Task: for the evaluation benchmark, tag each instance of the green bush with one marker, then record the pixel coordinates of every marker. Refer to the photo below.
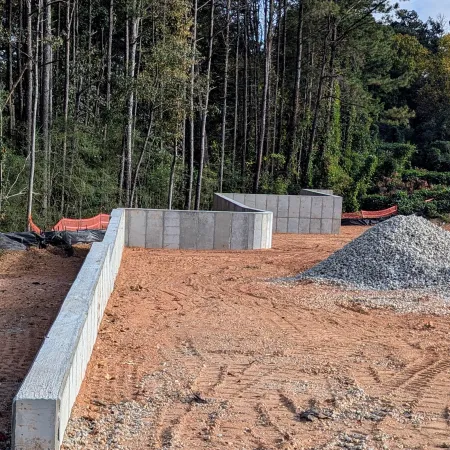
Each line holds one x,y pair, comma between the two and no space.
412,203
436,178
436,157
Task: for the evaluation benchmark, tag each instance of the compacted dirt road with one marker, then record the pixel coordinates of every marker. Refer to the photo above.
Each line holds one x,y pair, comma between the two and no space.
33,285
200,350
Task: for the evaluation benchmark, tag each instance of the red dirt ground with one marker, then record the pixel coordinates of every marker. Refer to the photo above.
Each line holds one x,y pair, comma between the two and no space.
33,285
198,350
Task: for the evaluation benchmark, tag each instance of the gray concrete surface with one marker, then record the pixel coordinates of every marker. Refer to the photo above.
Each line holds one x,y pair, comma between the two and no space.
313,211
232,227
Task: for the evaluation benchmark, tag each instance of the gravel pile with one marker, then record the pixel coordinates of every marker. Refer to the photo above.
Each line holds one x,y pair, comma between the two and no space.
405,252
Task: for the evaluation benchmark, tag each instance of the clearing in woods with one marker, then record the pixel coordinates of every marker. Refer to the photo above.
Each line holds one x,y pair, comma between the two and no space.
198,350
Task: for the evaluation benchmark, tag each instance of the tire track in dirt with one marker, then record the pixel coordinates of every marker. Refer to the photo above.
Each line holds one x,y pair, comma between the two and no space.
250,355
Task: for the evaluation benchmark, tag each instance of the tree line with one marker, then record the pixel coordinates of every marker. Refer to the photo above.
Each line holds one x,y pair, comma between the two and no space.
161,103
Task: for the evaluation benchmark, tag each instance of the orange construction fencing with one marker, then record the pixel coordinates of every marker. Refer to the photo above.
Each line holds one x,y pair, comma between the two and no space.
372,214
99,222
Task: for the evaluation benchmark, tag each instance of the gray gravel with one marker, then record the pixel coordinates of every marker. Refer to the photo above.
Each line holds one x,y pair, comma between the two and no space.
405,252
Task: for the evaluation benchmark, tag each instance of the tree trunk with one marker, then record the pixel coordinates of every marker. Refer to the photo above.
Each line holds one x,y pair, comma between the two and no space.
205,110
66,105
192,107
131,76
236,95
225,95
283,81
246,92
34,110
267,66
12,112
292,150
109,62
141,157
46,81
172,174
29,96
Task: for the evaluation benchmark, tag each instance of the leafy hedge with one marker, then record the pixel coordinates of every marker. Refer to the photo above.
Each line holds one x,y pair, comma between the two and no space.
412,203
442,178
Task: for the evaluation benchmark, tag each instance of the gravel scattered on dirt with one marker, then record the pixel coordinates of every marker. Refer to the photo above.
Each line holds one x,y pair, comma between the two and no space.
401,253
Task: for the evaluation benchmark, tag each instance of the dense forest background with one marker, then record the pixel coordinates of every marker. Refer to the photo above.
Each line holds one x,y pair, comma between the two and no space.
161,103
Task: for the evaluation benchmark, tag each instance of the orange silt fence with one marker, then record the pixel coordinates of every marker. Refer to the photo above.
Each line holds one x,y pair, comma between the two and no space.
99,222
372,214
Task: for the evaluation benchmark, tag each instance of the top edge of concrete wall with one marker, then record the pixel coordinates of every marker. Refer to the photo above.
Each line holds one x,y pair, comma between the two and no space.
201,211
303,192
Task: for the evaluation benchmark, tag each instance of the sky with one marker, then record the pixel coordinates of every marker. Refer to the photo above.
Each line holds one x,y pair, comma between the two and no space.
428,8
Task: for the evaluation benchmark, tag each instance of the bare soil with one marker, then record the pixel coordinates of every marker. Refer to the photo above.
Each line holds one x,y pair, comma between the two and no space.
33,285
202,350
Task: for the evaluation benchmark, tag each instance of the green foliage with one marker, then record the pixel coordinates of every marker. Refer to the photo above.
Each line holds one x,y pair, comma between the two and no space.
394,158
433,178
414,203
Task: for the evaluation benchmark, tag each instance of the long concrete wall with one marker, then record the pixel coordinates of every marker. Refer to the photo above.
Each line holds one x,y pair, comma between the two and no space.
313,211
41,408
231,229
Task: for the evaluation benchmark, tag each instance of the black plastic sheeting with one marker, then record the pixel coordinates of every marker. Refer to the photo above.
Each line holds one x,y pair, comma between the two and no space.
364,222
62,239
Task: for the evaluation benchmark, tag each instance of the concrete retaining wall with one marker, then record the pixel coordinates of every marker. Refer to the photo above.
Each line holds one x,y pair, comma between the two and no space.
231,229
41,408
311,212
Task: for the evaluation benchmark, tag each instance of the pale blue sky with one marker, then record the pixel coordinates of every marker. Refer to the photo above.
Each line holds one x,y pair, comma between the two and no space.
428,8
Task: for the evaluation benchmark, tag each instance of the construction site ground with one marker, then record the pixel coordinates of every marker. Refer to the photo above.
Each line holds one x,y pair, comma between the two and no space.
200,349
33,285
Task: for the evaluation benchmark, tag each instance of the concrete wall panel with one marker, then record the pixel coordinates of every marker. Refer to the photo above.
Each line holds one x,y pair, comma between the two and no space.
337,212
305,207
257,235
293,224
250,200
304,226
272,205
336,226
283,206
222,231
171,234
155,229
261,202
326,226
136,229
327,207
239,232
315,226
189,229
294,206
205,235
316,207
282,225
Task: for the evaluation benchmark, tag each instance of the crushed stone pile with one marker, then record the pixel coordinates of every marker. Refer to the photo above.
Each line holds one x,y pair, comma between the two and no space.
405,252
